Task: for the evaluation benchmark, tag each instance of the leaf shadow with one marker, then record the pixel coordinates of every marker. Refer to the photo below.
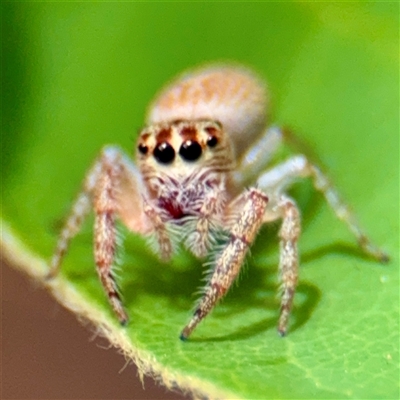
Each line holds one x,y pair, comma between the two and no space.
300,314
256,279
337,247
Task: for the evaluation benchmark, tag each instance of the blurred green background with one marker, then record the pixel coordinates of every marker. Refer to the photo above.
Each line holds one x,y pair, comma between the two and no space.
77,76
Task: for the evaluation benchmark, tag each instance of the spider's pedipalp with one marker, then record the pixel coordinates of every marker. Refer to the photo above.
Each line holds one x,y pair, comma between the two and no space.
200,240
160,230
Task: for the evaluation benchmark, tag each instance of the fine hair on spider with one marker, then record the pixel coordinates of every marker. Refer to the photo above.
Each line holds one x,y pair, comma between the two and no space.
203,171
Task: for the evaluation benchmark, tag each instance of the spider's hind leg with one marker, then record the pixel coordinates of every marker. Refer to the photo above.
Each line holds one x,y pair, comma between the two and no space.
257,157
277,179
289,257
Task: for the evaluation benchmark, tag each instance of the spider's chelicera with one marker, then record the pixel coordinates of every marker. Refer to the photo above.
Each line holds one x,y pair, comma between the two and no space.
203,172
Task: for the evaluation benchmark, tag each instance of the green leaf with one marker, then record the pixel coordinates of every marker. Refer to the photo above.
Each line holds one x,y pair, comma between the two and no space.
77,76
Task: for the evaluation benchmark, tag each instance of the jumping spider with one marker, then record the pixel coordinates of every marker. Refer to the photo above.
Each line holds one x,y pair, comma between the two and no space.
203,168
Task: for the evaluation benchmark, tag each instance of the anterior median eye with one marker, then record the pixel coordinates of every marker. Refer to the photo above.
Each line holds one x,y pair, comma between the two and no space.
190,150
164,153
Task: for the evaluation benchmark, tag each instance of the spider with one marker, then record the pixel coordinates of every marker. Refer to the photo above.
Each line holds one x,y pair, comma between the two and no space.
203,173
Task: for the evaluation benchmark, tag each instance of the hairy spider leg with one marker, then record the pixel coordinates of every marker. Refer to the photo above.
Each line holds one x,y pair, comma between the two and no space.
111,186
256,159
230,260
79,211
279,177
289,257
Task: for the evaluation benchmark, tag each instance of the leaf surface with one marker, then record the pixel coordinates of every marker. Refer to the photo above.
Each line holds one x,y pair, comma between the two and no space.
79,75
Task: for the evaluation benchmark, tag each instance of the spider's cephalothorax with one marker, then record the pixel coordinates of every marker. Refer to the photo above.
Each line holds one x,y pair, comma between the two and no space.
204,166
186,167
183,155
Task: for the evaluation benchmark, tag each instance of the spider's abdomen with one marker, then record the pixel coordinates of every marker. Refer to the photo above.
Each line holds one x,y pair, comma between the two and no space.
233,96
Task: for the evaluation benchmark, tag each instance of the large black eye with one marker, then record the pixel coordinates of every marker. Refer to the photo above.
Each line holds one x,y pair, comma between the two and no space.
190,150
164,153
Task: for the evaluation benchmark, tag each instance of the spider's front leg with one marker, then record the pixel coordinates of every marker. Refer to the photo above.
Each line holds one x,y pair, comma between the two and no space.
112,187
105,207
230,260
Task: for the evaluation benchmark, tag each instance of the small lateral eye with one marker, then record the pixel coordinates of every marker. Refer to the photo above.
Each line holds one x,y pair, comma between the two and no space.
164,153
143,148
190,150
212,141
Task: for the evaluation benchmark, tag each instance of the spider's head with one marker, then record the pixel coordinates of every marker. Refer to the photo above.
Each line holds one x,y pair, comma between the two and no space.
179,148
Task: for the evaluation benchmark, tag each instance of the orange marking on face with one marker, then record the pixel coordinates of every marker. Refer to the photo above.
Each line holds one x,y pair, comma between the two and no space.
145,136
189,133
164,135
